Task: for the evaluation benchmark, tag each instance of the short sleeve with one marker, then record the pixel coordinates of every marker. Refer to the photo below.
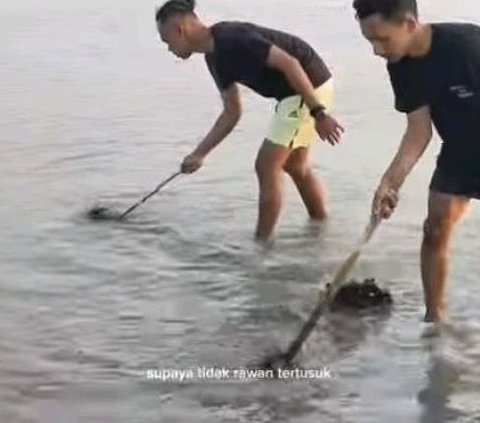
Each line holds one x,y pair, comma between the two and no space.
255,47
410,92
248,50
240,54
222,81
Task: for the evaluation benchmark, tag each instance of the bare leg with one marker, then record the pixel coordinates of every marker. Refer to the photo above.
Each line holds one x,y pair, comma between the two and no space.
269,167
444,212
299,167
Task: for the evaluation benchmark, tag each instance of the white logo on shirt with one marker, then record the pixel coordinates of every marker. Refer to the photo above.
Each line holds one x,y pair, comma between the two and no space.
462,91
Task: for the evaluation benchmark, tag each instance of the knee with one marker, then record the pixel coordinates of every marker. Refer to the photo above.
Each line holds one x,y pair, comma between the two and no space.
297,171
262,166
436,232
267,171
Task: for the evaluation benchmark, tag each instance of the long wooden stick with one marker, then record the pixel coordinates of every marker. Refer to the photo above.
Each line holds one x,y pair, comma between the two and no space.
155,191
340,278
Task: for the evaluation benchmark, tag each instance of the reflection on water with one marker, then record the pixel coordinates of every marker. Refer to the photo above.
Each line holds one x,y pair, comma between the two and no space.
450,376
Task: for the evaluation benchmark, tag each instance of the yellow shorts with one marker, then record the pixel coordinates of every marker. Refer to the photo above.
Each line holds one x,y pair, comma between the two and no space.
292,126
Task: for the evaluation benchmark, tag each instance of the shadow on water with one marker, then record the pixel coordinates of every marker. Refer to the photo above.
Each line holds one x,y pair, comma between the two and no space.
252,329
247,302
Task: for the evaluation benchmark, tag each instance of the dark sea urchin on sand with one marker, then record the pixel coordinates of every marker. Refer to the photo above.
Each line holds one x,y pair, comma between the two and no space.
102,213
353,296
360,296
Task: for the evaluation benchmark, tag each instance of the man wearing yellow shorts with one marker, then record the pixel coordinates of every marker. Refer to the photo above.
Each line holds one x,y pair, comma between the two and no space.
275,65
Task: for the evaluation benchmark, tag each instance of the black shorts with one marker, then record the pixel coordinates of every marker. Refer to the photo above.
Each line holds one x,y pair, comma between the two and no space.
465,184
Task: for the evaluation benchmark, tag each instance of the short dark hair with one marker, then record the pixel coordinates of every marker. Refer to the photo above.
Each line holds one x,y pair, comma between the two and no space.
174,7
388,9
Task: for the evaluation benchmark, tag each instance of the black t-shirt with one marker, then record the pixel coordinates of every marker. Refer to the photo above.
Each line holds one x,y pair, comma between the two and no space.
240,55
448,80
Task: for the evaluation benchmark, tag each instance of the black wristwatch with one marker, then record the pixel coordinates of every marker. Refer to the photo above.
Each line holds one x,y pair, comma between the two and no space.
317,112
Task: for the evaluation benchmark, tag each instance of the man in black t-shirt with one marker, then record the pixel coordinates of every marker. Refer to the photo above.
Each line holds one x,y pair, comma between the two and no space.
435,74
275,65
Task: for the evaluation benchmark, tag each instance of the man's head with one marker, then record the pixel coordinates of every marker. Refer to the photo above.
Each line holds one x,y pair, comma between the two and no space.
389,25
174,23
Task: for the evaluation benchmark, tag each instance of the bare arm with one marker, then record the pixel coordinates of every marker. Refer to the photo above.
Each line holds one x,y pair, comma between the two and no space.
228,119
293,71
413,145
327,127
